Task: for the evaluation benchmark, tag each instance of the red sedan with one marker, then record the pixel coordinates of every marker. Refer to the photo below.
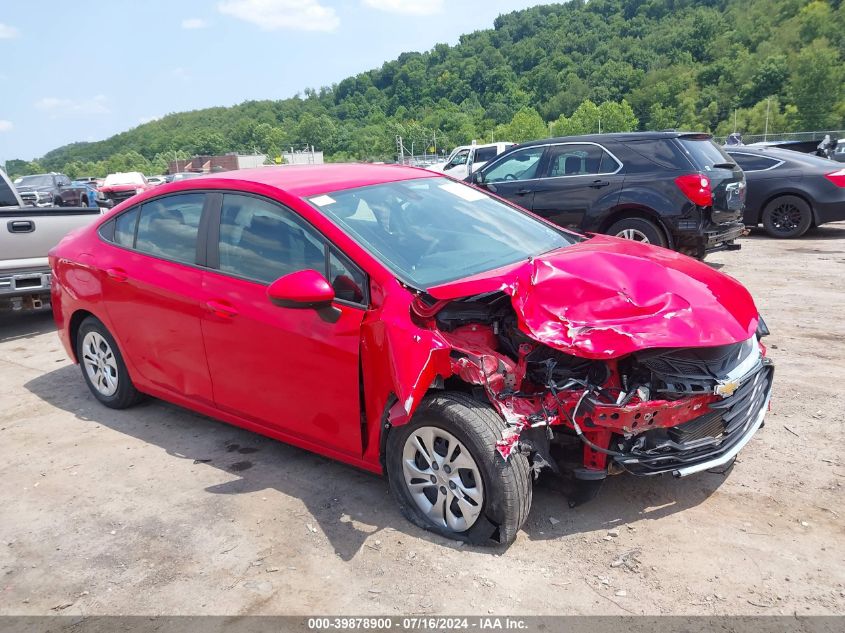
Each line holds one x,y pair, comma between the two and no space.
405,323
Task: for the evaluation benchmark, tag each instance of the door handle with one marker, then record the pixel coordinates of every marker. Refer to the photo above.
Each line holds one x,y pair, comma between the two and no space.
20,226
221,309
523,192
117,274
598,184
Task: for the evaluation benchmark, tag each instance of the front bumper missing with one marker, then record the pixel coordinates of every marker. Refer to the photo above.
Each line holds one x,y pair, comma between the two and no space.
742,415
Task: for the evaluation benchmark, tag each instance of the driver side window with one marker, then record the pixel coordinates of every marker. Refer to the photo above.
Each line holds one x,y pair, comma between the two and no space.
521,165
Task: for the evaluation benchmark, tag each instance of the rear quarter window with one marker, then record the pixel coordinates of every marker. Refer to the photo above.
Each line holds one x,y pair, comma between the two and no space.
750,162
662,152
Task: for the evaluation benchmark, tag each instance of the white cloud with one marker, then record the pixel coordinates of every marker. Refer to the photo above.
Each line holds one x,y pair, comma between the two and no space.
180,72
270,15
8,32
65,107
148,119
194,23
5,126
408,7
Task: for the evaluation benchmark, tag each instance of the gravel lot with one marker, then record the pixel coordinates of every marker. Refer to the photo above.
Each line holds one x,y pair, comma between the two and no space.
156,510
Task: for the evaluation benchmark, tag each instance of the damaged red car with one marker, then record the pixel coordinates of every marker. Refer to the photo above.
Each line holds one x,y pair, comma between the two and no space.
418,327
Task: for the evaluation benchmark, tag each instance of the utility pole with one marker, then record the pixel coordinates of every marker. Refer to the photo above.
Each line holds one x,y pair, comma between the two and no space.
766,132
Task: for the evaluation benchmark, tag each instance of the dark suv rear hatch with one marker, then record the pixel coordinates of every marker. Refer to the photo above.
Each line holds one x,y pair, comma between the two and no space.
727,181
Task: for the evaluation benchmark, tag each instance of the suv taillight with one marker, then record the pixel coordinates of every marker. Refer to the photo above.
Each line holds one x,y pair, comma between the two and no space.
697,188
837,177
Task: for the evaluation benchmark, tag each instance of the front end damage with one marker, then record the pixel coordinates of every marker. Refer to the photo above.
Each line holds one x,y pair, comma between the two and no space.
611,393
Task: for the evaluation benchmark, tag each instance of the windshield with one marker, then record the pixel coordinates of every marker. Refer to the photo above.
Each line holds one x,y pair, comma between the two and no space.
129,178
435,230
34,181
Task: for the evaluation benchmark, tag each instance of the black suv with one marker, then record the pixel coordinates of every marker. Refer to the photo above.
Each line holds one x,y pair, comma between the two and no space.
672,189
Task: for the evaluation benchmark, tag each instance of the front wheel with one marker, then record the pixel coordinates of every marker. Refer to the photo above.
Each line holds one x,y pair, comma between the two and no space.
787,217
103,366
447,477
638,230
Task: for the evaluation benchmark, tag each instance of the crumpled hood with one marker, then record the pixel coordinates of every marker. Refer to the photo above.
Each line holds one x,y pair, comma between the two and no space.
606,297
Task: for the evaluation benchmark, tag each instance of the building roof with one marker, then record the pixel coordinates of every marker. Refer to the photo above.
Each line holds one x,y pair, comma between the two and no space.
312,180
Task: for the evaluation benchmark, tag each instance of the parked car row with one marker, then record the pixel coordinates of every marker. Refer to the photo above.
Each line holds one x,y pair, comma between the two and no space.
671,189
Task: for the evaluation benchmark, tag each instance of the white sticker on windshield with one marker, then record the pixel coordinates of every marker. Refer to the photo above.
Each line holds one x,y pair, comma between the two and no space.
463,192
322,201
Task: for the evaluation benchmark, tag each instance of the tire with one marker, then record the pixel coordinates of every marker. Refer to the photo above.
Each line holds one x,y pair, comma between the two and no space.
57,202
787,217
103,366
84,201
493,509
639,230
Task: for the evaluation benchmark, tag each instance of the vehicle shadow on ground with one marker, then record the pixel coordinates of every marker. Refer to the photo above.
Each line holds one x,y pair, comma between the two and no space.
25,324
348,504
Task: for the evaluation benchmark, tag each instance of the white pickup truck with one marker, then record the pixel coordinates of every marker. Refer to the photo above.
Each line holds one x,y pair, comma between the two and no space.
26,234
466,159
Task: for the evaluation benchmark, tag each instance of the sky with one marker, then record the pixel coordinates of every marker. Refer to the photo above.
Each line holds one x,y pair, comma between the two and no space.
85,70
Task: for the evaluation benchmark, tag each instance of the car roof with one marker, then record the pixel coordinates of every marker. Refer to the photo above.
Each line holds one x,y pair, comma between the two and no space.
616,136
312,180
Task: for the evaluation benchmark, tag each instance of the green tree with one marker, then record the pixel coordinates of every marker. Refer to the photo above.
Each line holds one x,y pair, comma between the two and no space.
526,125
815,86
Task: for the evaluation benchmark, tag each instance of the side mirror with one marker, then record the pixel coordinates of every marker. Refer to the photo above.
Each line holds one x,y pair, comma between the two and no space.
478,178
302,289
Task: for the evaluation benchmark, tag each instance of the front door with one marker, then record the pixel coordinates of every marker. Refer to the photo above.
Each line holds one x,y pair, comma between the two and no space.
514,176
287,369
576,178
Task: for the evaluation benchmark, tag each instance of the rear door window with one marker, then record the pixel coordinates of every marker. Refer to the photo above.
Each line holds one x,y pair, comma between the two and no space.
485,154
662,152
579,160
169,227
124,228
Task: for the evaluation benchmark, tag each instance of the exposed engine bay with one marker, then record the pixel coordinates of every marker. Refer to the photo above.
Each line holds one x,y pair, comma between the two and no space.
653,411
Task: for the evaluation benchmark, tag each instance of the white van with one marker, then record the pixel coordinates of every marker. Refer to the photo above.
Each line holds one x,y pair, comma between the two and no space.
466,159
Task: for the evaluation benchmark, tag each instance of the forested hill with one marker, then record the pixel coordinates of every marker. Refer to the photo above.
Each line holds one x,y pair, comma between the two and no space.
649,64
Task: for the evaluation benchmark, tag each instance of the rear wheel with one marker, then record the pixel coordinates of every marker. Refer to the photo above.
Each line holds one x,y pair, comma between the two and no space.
638,230
787,217
103,366
447,477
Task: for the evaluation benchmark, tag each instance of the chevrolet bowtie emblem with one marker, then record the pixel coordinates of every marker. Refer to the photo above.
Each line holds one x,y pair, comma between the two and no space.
726,388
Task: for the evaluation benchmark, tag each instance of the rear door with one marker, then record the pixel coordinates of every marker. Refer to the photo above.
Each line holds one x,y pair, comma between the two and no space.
514,176
576,180
727,181
152,284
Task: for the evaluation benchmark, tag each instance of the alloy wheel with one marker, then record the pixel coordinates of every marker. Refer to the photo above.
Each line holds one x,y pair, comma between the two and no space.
100,363
634,234
442,478
786,218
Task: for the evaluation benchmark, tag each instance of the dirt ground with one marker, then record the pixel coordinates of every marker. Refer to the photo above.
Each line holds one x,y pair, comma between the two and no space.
155,510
